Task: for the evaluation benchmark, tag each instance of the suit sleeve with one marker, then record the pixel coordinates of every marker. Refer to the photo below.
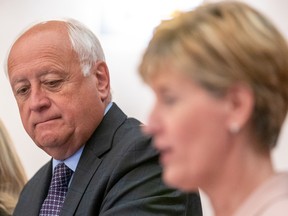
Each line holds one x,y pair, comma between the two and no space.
136,187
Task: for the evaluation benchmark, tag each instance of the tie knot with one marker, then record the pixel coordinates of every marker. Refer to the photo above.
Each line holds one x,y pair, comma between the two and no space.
61,175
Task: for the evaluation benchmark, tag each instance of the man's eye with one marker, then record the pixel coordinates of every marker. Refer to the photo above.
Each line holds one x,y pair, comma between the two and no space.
53,83
22,90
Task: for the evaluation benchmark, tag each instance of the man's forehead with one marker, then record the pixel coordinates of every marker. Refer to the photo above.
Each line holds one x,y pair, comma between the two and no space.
57,27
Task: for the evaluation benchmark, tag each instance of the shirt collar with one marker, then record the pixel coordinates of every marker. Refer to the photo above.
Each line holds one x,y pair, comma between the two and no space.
71,162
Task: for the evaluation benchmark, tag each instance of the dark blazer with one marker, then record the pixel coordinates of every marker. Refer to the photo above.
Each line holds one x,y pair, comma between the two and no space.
118,174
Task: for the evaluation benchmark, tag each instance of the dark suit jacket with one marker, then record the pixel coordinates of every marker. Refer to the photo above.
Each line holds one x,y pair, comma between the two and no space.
118,174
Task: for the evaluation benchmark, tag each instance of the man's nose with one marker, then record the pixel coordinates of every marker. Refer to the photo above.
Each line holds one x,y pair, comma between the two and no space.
38,99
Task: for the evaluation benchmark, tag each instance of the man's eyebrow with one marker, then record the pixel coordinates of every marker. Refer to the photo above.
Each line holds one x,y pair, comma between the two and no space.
39,75
18,80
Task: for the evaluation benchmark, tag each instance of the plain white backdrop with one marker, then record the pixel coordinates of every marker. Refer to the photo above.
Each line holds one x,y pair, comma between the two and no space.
124,28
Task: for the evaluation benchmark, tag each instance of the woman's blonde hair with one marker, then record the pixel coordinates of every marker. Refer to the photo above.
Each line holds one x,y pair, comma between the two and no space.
12,175
219,44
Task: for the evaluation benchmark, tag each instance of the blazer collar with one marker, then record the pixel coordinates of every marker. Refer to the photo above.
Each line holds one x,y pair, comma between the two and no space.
101,140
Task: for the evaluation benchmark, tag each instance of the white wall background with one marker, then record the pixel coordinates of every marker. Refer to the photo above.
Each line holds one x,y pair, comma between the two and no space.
124,28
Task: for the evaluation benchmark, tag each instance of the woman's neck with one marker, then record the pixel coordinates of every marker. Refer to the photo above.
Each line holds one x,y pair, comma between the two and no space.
237,179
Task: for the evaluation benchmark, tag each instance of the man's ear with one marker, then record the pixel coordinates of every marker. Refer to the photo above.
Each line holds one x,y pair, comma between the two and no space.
241,102
101,72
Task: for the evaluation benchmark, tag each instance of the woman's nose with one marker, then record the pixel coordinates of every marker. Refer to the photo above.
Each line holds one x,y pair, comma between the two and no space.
154,122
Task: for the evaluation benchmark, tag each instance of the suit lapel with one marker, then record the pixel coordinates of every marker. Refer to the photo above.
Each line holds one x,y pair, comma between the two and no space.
99,143
40,186
83,174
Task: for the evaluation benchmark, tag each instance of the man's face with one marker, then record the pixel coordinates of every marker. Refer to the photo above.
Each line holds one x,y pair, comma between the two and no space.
59,107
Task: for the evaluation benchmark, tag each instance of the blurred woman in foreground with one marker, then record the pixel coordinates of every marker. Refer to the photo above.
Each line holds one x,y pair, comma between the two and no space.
12,175
220,76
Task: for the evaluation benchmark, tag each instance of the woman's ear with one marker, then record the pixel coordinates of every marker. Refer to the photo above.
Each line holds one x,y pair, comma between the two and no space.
240,100
101,72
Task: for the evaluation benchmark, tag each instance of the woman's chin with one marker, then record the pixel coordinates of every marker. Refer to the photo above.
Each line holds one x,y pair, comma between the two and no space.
178,181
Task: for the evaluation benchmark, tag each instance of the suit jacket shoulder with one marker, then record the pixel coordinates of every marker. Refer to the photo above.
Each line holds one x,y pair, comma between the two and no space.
119,174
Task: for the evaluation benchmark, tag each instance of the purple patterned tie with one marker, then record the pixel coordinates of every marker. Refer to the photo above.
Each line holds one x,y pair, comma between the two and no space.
57,191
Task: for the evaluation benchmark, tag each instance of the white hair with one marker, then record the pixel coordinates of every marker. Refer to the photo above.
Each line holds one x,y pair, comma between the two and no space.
85,43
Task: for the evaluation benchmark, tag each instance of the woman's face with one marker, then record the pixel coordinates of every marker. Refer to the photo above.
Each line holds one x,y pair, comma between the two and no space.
189,126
